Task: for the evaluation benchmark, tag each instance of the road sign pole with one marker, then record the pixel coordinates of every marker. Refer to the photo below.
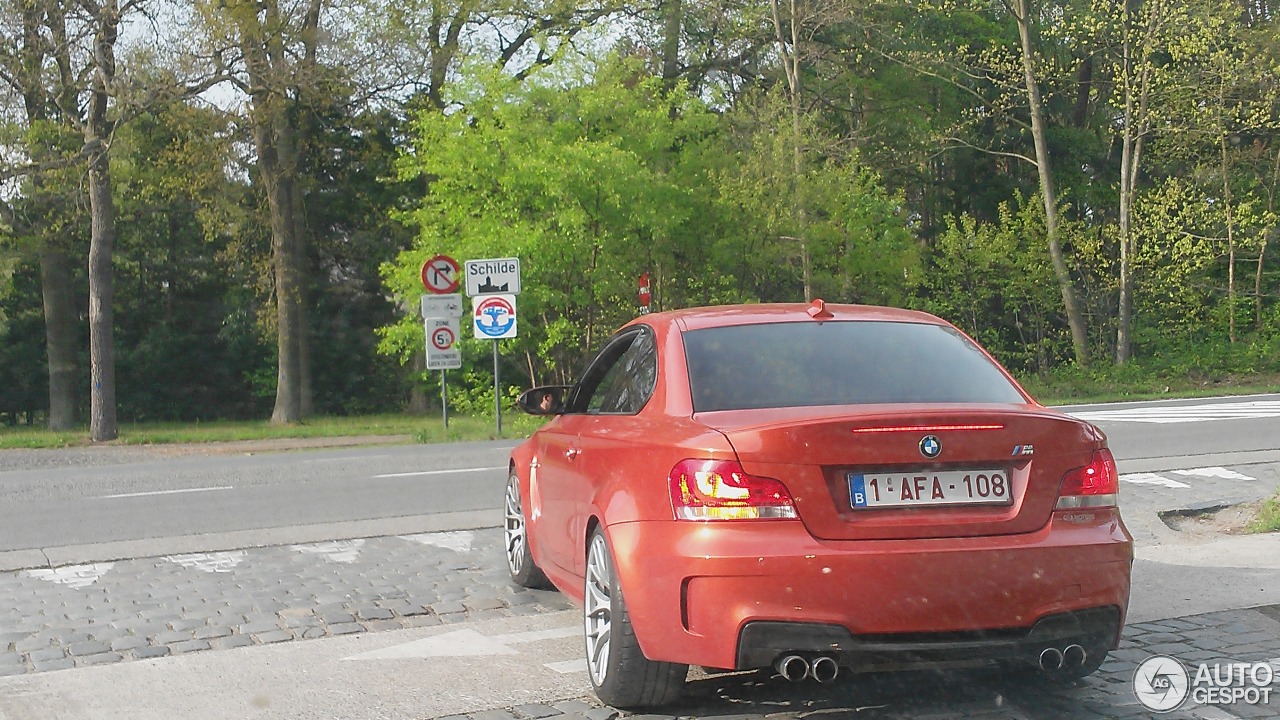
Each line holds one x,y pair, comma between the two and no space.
444,397
497,396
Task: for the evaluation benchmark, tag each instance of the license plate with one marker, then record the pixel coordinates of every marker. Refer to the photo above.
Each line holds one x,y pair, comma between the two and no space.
942,487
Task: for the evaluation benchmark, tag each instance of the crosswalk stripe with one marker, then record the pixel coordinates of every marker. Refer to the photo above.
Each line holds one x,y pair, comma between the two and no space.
1186,413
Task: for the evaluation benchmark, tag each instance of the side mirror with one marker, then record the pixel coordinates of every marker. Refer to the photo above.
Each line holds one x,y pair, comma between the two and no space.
544,399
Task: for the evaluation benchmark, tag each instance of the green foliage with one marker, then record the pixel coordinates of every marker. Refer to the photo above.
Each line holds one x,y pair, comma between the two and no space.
593,182
1178,370
994,282
582,183
1268,517
853,229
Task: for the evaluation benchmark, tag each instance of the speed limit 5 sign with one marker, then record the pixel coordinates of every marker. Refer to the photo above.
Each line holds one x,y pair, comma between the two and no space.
442,344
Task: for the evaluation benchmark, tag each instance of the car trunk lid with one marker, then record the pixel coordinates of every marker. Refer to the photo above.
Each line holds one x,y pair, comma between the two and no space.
826,457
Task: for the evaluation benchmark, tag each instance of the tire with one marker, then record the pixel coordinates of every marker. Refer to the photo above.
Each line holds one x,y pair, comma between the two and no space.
620,673
524,571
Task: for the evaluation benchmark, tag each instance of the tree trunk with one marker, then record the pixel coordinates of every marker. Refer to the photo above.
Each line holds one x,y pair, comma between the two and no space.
1231,239
102,359
275,138
673,22
98,129
56,268
791,64
418,404
288,406
1262,253
307,406
1136,125
60,316
1075,317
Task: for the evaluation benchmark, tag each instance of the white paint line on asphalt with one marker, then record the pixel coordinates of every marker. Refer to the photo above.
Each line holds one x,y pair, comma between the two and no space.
361,458
75,576
440,472
465,643
166,492
565,667
1214,472
457,541
1152,479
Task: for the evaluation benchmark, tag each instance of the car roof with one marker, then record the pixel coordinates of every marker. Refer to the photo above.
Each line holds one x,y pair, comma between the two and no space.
724,315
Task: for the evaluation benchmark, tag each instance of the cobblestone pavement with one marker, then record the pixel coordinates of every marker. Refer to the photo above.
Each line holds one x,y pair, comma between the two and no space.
85,615
1223,637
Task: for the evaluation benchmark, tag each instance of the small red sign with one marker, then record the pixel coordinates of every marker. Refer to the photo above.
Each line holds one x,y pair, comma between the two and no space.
645,295
441,275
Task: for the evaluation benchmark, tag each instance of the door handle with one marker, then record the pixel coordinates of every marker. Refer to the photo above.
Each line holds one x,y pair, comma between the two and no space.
572,453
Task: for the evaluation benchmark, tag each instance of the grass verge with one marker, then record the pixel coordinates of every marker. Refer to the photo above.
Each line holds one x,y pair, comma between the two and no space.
1268,518
1086,388
422,429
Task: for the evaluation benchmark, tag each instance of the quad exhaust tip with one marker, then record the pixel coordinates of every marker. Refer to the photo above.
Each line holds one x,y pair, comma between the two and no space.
1051,660
824,669
1071,657
795,668
792,667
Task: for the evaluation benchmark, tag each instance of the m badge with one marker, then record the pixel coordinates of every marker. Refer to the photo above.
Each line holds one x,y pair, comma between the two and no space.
1024,450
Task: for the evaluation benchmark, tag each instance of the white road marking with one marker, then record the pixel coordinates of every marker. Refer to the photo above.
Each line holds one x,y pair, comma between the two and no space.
217,562
75,576
465,643
1186,413
1214,472
567,666
457,541
1152,479
166,492
440,472
341,551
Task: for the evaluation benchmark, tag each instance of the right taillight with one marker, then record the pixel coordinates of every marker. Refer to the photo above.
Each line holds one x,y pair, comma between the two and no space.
1094,485
722,490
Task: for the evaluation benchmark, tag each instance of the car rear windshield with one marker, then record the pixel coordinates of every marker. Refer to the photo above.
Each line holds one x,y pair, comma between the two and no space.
838,363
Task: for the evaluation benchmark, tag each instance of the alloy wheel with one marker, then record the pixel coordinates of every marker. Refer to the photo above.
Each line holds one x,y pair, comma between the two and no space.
598,609
515,531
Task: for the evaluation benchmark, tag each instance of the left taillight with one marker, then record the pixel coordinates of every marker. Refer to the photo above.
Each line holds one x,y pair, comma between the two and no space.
722,490
1094,485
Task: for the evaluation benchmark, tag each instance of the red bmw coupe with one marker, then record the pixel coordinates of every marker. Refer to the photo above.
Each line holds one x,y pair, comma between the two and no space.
815,489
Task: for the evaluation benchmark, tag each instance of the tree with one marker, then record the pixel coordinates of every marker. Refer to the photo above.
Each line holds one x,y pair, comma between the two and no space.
579,182
1022,14
26,69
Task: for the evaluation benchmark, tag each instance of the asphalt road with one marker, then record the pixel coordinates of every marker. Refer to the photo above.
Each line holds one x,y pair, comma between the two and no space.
104,495
100,499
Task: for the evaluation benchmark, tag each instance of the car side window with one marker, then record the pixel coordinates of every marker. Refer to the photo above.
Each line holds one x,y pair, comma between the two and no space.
623,377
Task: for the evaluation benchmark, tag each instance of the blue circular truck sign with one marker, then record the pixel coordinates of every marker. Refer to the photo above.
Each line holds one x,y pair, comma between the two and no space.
495,317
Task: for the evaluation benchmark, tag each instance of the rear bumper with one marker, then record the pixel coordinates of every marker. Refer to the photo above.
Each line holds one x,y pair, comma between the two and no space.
762,642
728,594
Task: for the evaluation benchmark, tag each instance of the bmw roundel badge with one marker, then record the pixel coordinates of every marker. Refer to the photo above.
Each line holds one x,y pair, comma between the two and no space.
930,446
